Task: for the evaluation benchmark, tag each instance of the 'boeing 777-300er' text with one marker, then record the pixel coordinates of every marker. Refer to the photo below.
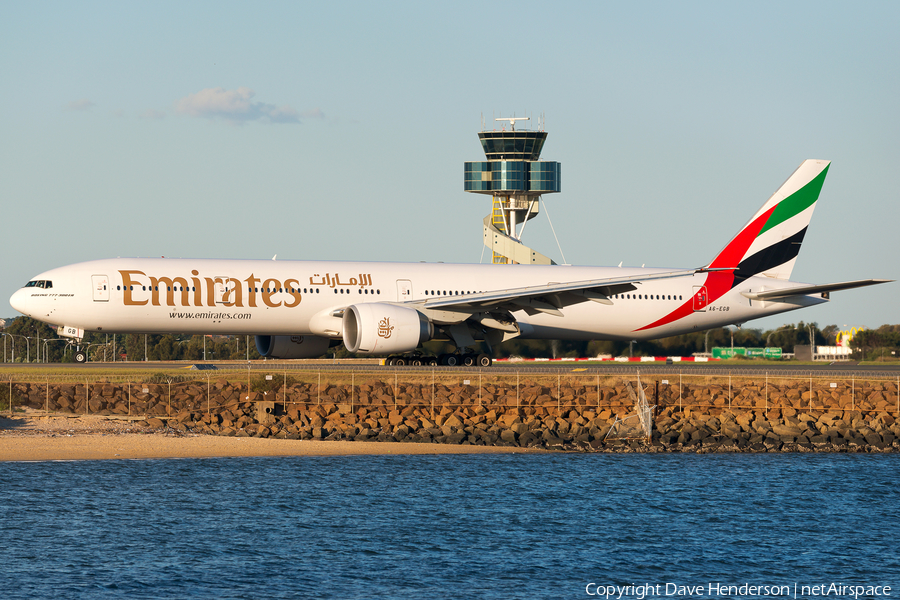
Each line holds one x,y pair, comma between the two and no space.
297,309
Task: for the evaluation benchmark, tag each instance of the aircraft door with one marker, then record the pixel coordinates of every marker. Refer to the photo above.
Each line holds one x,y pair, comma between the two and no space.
100,285
404,290
701,298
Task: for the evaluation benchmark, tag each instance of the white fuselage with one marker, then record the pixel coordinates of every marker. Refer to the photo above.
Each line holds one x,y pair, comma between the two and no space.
267,297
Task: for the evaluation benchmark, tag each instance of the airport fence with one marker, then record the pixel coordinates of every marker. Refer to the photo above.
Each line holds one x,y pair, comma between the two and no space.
165,395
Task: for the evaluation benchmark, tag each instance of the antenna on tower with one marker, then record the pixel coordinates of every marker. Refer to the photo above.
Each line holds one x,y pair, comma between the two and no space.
512,120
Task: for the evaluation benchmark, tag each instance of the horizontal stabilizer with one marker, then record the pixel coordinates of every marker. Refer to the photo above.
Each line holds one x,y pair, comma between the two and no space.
812,289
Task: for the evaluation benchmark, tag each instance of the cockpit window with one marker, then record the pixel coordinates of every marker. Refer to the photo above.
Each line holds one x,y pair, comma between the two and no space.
40,283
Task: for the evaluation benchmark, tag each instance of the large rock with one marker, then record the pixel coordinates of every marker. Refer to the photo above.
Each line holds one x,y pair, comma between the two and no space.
508,435
873,439
455,438
453,421
786,433
519,428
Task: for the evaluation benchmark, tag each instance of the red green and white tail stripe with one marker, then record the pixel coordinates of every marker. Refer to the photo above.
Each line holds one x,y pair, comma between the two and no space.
768,245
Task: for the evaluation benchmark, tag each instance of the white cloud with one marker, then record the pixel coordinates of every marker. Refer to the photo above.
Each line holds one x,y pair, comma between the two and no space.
83,104
313,113
235,106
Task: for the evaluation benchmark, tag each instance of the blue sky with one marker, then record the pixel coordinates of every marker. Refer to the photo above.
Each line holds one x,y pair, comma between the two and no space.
339,131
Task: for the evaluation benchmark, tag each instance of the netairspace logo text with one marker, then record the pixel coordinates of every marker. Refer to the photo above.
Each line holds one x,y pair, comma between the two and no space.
715,590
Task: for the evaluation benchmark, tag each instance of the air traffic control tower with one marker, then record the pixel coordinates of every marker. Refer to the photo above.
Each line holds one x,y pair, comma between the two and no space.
515,179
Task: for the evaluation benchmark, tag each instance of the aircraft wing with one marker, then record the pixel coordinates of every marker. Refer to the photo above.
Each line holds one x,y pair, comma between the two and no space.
547,298
812,289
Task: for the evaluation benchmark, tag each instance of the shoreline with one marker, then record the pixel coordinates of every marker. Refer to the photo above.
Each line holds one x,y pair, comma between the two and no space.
36,437
28,438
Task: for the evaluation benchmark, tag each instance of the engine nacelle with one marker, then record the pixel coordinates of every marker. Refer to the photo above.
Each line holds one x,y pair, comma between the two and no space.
291,346
378,328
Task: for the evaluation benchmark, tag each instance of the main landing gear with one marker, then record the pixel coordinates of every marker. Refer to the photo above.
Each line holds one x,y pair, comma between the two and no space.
469,359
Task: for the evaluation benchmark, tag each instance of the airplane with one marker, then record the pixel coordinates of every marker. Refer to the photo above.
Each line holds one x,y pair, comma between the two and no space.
299,309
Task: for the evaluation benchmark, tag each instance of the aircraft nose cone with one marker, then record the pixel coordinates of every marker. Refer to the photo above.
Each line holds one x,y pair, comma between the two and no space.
19,301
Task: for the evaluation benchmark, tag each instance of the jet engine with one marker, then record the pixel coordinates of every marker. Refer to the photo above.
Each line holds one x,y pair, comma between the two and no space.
378,328
291,346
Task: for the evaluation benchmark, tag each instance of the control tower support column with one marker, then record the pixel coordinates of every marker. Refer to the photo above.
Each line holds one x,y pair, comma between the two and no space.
516,180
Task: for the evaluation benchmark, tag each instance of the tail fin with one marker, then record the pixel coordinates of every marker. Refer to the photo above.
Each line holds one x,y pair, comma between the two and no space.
770,242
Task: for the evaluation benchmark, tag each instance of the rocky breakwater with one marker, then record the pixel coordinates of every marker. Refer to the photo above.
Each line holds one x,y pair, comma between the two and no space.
573,415
778,430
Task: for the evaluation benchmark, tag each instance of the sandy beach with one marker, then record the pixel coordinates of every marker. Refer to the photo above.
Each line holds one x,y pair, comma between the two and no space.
31,437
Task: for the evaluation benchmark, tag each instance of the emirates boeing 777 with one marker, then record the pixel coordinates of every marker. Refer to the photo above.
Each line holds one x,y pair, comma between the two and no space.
298,309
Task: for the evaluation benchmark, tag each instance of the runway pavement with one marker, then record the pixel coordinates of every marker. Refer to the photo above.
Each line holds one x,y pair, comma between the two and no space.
837,369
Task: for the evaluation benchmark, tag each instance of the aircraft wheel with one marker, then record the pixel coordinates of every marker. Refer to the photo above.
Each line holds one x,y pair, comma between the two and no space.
483,360
389,361
451,360
416,361
468,360
400,361
80,357
432,361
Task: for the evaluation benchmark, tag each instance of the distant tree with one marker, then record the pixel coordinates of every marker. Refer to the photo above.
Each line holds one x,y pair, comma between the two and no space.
162,347
26,340
134,346
875,344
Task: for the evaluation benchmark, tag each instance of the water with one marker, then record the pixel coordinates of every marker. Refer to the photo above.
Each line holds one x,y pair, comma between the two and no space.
480,526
